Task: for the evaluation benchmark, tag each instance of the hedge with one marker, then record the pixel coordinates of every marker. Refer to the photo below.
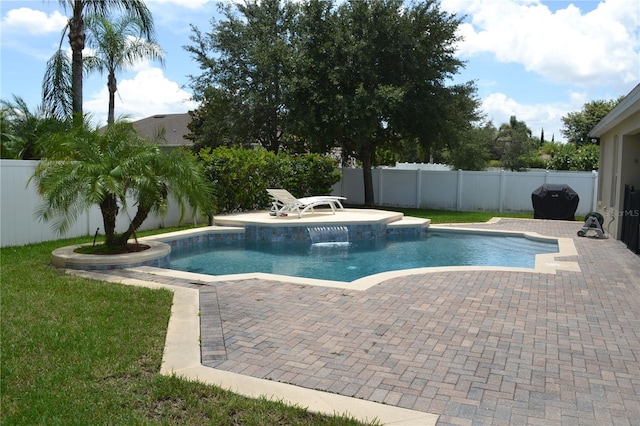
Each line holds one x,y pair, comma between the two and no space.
241,176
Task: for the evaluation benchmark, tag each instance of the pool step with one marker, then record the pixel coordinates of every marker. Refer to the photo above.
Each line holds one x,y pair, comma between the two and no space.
409,222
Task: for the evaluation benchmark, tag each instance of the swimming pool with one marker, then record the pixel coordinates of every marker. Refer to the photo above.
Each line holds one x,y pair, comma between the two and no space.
349,261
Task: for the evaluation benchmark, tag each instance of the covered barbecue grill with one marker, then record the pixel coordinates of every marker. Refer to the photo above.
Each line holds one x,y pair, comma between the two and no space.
554,201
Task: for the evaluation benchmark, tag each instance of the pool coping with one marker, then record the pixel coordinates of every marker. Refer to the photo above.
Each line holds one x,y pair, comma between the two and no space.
66,257
546,263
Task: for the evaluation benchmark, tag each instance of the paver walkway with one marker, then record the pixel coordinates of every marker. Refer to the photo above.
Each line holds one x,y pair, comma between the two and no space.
475,347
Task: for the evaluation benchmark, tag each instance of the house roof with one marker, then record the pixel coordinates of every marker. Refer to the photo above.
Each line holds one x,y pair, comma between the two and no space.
627,107
172,126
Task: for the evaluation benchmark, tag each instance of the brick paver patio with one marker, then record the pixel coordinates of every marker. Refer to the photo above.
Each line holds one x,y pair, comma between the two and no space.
475,347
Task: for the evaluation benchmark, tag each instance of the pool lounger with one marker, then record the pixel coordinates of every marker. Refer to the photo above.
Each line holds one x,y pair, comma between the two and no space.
285,203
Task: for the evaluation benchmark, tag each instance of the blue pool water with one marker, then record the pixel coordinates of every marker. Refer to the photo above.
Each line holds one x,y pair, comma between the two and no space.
357,259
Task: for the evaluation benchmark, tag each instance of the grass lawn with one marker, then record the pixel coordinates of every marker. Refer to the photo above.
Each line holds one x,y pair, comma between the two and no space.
75,351
79,351
446,216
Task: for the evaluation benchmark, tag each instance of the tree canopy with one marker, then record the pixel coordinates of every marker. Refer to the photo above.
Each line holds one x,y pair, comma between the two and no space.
118,44
88,167
245,61
357,75
578,124
518,145
24,132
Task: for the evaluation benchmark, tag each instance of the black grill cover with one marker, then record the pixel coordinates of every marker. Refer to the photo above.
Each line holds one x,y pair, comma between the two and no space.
555,201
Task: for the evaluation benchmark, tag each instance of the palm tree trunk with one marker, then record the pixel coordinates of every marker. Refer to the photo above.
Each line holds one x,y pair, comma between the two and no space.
77,42
140,217
113,87
109,209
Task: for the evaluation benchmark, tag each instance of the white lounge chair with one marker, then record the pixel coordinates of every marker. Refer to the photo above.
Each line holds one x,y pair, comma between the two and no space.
285,203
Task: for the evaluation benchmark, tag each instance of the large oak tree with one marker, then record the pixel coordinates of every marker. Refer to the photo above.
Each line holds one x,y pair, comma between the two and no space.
357,75
245,61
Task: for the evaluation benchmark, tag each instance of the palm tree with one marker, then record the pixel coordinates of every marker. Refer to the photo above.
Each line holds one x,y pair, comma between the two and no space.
90,167
118,45
517,145
76,31
24,132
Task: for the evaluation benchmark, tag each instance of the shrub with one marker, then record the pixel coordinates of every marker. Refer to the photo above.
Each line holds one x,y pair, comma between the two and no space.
308,174
570,157
241,176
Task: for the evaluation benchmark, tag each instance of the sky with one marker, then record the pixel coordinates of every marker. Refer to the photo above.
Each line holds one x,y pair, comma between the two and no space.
537,60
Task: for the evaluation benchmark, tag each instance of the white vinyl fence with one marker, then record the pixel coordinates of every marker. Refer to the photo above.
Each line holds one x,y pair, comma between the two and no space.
450,190
19,202
499,191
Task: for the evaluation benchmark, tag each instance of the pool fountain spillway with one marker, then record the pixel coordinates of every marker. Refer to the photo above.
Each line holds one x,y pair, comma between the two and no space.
328,234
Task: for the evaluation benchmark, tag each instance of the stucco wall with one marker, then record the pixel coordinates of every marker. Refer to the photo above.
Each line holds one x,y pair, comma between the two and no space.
619,166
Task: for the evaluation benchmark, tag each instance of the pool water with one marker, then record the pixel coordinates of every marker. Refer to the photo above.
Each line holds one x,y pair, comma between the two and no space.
357,259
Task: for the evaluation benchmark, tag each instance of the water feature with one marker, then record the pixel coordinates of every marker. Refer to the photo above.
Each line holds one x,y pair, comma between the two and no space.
329,235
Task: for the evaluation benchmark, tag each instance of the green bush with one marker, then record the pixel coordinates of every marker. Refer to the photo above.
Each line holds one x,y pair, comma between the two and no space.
587,158
308,174
241,176
570,157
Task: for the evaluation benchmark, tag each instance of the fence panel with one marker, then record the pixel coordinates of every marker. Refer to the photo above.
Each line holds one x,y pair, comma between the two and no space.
463,190
351,186
19,202
518,187
480,191
19,224
390,180
438,190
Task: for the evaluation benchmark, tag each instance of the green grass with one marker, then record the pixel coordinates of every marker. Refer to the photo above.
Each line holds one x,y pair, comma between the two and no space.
75,351
447,216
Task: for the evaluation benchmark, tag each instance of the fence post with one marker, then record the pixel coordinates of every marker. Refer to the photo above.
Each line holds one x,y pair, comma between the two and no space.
459,191
418,187
594,190
380,183
501,191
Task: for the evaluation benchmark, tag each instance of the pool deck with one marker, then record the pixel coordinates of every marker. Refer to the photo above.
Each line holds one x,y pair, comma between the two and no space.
456,346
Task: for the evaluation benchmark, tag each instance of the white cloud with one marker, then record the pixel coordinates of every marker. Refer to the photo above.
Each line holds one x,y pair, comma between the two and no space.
567,46
148,93
34,22
190,4
499,108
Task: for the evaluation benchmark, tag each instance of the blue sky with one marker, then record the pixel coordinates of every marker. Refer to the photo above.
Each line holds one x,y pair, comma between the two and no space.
537,60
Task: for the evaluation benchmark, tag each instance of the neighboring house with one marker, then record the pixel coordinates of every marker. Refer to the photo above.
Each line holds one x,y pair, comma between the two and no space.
169,128
619,134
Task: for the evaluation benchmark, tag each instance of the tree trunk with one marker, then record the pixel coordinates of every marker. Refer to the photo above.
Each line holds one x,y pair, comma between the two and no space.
113,87
77,42
140,217
109,209
367,176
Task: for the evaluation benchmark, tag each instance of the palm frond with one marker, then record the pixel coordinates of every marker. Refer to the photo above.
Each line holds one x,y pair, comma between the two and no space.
57,93
136,8
92,167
